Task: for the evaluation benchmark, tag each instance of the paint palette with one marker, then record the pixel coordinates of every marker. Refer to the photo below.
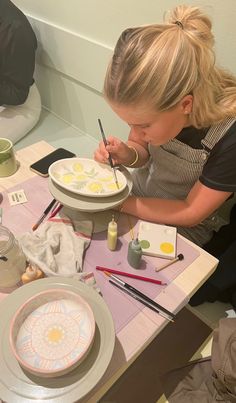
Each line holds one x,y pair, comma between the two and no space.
158,240
86,177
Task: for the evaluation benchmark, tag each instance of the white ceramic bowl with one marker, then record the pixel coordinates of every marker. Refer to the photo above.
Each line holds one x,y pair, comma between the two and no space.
52,332
86,177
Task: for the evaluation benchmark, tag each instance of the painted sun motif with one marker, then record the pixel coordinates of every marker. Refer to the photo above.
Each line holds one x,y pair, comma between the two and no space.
55,334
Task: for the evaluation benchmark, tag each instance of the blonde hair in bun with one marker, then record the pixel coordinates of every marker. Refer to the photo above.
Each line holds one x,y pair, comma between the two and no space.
161,63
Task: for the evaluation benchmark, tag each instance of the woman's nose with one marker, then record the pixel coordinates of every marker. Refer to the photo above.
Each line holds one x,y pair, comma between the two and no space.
137,130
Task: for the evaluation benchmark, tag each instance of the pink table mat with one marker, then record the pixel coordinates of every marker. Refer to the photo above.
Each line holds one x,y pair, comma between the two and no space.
20,218
99,255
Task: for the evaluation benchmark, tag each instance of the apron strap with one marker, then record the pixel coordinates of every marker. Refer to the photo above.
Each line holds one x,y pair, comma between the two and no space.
216,132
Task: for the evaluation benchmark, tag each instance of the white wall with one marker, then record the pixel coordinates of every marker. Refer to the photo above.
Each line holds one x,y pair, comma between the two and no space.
76,39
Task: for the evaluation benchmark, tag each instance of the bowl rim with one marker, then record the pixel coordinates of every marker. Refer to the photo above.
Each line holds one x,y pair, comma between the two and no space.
68,188
55,372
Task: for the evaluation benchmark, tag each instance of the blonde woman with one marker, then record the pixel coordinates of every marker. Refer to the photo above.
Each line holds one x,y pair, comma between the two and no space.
181,109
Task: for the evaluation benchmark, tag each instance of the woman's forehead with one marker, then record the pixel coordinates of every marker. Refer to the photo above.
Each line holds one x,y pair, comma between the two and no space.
134,114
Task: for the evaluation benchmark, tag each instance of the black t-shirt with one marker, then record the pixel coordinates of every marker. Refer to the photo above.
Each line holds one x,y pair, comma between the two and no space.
17,54
219,171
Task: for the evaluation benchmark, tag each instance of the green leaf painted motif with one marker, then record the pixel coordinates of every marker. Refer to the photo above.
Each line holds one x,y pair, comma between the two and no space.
92,173
79,185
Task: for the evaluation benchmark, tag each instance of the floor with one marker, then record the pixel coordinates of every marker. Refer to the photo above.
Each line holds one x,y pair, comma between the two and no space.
59,134
143,382
210,313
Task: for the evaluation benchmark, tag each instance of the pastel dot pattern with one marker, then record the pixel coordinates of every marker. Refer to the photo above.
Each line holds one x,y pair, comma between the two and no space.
55,335
167,247
145,244
86,177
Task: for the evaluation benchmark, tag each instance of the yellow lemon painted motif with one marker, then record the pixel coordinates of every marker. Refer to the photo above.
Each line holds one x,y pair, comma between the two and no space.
112,186
95,187
167,247
67,178
78,167
106,179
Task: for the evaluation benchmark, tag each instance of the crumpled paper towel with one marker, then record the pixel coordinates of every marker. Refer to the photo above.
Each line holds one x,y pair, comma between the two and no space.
57,246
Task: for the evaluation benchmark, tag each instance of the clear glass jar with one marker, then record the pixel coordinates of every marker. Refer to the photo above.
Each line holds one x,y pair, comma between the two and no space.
12,259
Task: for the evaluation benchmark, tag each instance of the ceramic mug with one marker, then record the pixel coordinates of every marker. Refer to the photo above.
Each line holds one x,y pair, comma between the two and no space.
8,164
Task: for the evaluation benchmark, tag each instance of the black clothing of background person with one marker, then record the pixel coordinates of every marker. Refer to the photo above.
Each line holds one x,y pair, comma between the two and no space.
18,44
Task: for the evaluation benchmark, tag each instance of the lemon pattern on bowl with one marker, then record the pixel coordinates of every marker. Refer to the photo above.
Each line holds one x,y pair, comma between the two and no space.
67,178
95,187
88,177
78,167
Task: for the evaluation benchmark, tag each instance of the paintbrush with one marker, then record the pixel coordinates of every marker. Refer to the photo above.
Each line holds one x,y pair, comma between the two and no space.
138,293
44,215
140,299
109,155
178,258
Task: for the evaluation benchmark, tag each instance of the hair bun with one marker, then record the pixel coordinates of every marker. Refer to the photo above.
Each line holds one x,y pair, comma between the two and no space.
194,22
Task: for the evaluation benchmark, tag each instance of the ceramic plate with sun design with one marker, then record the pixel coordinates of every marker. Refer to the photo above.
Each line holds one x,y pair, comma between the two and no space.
87,177
53,332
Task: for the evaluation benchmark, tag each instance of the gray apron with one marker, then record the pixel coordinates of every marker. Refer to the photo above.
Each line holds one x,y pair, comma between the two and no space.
171,172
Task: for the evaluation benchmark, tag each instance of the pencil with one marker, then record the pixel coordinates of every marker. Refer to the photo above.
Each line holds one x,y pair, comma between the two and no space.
139,294
140,299
109,155
137,277
43,216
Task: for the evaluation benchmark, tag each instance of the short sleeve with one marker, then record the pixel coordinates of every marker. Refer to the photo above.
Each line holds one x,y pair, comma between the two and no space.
219,172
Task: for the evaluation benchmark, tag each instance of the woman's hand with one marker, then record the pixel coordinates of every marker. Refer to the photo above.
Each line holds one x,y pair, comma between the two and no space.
120,152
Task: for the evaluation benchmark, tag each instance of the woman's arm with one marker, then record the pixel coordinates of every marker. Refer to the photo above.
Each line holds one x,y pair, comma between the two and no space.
199,204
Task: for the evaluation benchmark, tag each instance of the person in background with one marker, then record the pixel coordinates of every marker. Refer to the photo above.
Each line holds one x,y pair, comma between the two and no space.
20,103
181,108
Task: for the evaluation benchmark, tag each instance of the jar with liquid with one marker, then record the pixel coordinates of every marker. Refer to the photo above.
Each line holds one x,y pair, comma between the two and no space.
12,259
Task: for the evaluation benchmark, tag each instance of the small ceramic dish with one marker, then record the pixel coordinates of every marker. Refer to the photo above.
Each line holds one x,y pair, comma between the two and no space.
52,332
86,177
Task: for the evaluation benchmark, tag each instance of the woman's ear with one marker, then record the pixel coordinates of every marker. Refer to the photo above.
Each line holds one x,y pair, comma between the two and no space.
186,104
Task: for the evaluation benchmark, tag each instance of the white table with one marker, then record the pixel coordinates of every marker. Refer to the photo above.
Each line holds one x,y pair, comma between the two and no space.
140,331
